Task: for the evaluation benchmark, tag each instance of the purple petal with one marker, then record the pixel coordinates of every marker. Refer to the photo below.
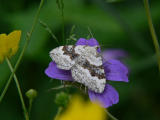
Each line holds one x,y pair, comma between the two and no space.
90,42
116,71
107,98
113,54
56,73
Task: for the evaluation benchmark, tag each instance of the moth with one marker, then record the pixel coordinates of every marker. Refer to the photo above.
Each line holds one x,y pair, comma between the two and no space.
85,63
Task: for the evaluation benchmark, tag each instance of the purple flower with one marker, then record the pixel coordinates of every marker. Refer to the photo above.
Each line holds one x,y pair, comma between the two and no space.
114,70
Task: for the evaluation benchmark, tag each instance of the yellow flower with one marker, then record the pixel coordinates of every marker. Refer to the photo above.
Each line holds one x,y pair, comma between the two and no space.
80,110
9,44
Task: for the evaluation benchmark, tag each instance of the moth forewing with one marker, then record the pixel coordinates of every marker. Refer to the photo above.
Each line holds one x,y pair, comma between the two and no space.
89,70
63,57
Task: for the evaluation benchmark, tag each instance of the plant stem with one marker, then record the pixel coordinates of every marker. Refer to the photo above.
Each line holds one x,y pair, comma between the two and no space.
152,30
63,36
28,37
110,115
19,90
60,5
60,87
58,113
30,106
90,32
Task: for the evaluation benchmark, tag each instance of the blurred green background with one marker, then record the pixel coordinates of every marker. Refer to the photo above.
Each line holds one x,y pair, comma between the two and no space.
120,24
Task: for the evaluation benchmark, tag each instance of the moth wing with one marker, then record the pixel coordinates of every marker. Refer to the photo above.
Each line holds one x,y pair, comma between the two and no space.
64,56
90,72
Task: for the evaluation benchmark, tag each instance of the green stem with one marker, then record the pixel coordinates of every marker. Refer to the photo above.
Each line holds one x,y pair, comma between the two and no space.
30,105
152,30
23,50
63,36
90,32
110,115
60,5
58,113
19,90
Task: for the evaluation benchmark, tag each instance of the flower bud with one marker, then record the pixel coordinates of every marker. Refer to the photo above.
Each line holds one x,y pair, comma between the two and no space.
62,99
31,94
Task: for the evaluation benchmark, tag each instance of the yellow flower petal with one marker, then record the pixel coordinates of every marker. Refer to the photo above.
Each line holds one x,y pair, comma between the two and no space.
9,44
3,48
81,110
13,41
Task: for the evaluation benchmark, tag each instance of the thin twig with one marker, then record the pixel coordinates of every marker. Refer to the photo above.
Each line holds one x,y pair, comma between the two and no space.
58,113
110,115
71,35
60,87
60,5
90,32
152,30
49,31
30,106
63,24
19,90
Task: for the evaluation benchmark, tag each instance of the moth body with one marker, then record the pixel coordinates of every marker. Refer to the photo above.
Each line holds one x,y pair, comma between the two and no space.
85,64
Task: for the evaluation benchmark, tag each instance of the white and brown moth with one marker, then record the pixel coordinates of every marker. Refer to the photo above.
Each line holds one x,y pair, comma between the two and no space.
85,63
